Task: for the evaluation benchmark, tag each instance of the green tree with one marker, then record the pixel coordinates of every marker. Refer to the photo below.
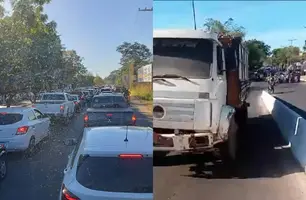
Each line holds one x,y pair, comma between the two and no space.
286,55
98,81
258,53
135,53
226,28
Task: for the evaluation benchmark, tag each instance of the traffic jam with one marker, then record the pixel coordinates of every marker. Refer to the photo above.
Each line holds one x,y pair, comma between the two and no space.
111,140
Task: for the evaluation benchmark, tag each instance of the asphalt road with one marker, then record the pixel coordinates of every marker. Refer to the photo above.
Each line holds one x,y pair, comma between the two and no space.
265,169
40,176
294,93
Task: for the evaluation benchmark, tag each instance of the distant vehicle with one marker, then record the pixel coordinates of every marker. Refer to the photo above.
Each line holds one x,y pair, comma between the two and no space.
109,109
56,105
3,161
106,90
110,163
77,103
21,128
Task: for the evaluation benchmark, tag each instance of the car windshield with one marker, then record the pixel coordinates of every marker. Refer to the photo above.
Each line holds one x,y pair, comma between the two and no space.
114,174
9,118
191,58
109,101
53,97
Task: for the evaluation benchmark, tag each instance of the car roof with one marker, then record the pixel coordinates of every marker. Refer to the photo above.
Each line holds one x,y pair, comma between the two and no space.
15,109
109,94
104,140
54,93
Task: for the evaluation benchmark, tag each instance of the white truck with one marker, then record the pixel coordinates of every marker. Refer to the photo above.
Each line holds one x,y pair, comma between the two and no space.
57,105
200,82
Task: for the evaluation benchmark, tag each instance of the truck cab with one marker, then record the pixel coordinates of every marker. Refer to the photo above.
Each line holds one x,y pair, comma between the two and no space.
191,110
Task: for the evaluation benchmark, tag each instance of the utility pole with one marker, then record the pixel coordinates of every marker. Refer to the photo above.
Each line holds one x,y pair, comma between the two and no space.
291,41
194,15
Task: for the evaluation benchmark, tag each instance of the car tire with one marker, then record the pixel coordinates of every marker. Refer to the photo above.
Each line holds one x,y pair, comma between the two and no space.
3,168
31,148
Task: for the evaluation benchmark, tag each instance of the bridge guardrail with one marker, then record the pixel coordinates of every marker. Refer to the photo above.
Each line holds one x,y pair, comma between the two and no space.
292,126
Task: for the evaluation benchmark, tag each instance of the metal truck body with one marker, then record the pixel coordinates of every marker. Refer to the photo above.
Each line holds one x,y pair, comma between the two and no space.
192,111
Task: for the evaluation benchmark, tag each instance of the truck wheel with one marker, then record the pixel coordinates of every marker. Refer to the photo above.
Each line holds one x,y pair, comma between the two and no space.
228,149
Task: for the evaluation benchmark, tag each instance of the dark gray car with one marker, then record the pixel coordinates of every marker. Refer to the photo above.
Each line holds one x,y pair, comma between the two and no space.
109,109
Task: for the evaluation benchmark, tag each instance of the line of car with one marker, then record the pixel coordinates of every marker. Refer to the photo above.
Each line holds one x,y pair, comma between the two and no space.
113,158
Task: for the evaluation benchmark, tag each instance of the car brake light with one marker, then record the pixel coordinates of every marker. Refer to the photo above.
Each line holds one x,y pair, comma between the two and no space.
130,156
62,107
22,130
66,195
109,115
3,113
134,119
86,118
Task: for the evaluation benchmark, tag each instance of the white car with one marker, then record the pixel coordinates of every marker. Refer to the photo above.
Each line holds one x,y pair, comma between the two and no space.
110,163
21,128
58,105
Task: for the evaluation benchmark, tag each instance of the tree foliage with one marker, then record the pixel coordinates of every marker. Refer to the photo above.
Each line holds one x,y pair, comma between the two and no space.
98,81
258,53
227,28
131,53
32,57
285,55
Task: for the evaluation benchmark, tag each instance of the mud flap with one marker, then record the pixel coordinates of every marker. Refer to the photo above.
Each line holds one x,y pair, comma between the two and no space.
226,116
228,133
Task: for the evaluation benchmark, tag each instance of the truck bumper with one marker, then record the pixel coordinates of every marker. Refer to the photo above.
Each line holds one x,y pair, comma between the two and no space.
184,142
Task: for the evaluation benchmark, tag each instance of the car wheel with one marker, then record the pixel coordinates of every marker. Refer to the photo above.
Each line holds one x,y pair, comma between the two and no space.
31,148
3,169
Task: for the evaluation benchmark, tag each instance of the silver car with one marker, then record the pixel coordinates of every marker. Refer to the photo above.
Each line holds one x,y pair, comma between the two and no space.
21,128
110,163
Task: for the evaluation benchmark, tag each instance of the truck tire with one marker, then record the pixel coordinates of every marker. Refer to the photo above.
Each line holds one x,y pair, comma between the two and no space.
229,149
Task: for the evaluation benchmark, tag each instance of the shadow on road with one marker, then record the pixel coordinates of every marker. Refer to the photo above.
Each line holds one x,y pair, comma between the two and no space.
261,155
284,92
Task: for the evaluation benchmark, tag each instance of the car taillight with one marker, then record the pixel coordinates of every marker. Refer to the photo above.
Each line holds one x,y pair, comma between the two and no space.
109,114
33,106
22,130
62,107
66,195
86,118
134,119
3,113
130,156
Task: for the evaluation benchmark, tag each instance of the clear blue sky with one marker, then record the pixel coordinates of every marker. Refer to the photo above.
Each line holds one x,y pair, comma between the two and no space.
274,22
94,28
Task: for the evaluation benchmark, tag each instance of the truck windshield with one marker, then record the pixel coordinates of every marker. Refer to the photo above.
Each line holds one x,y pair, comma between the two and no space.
190,58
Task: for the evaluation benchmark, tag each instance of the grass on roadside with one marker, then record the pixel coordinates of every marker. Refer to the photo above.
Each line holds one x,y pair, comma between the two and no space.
142,91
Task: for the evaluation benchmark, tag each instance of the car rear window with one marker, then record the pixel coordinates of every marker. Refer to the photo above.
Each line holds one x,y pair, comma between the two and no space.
105,90
10,118
53,97
101,101
113,174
